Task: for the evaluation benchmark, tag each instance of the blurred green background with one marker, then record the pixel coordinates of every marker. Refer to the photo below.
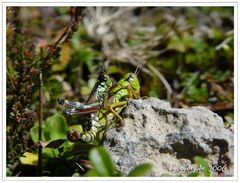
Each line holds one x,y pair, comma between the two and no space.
185,55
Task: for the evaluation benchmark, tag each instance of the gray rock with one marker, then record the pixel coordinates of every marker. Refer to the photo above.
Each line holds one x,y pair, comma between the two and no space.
169,138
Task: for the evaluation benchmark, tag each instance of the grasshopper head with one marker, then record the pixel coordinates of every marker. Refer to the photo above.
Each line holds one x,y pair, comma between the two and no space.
106,79
132,79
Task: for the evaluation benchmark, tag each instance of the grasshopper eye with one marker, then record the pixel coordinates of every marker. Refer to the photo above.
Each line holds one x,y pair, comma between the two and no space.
131,76
104,77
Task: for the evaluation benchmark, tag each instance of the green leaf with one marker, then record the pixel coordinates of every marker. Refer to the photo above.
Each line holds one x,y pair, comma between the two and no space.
113,69
177,44
197,94
77,148
165,175
102,161
49,153
140,170
56,125
92,173
34,134
153,93
204,164
76,174
179,175
54,87
29,159
54,128
134,42
55,143
193,174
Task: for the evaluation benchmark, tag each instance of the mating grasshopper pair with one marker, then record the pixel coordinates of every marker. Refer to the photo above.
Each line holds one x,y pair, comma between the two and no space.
104,101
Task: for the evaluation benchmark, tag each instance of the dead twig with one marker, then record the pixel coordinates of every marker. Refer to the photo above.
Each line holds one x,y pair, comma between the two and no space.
66,34
40,124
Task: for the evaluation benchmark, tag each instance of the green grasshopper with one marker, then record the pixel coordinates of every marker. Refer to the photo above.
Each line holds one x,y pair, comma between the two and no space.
114,103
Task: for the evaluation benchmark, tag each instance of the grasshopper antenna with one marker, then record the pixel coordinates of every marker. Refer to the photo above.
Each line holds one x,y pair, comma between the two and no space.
138,69
104,59
102,67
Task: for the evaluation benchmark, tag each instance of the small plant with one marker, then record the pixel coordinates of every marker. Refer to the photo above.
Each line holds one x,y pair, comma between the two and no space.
104,166
204,165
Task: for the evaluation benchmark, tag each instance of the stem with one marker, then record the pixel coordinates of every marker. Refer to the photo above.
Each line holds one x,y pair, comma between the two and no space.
40,124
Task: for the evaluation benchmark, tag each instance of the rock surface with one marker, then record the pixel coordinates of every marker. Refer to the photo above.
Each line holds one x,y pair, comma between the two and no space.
170,138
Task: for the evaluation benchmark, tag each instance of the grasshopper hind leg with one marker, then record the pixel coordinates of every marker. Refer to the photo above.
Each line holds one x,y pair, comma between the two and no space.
85,136
74,135
77,136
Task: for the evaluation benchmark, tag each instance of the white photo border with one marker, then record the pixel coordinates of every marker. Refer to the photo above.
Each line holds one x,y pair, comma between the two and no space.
187,3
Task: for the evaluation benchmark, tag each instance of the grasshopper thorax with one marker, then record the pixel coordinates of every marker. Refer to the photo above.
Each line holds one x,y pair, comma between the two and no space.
132,80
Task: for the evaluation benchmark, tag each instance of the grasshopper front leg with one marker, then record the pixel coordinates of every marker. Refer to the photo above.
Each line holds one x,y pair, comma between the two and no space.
130,94
112,109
